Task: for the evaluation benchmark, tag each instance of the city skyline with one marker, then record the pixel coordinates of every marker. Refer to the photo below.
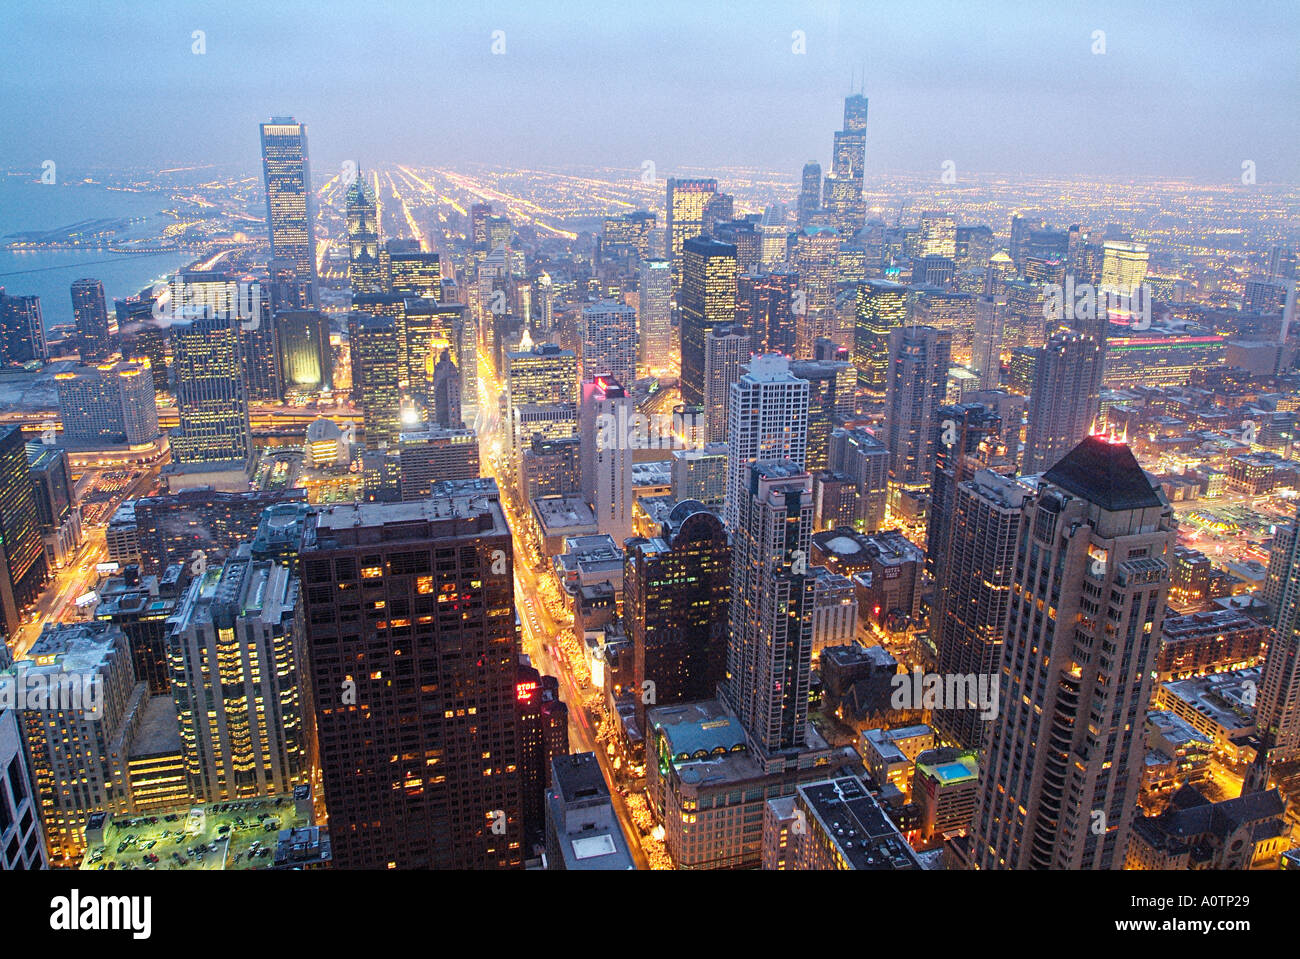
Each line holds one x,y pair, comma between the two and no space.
435,474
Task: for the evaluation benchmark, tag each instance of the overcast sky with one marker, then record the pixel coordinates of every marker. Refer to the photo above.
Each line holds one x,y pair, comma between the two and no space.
1188,88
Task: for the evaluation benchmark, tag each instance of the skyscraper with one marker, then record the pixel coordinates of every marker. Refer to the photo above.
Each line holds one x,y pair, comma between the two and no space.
881,306
816,252
769,650
707,299
655,290
609,342
541,395
767,420
415,273
974,574
676,596
865,459
916,386
90,314
78,746
687,200
986,347
727,349
211,396
1123,265
22,846
843,194
1277,714
259,347
22,330
938,235
965,439
446,393
810,192
305,358
415,701
607,452
110,403
830,404
22,554
765,306
1064,758
234,678
290,207
376,376
1064,400
363,237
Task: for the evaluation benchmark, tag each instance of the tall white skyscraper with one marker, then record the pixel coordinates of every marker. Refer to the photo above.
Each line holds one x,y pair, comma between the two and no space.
606,450
767,420
609,344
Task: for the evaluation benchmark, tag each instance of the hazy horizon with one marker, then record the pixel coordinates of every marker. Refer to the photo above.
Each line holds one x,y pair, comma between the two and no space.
1183,90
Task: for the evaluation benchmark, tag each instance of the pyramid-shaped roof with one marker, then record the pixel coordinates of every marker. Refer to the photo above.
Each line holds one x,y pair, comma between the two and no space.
1106,473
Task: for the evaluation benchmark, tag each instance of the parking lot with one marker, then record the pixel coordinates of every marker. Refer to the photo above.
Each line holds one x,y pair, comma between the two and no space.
238,835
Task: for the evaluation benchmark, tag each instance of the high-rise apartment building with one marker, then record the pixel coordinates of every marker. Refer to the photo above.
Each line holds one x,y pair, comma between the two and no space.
607,452
865,459
1064,399
609,342
22,330
767,420
78,745
409,621
916,385
975,573
22,845
1065,753
233,656
90,314
110,403
727,350
769,650
1277,716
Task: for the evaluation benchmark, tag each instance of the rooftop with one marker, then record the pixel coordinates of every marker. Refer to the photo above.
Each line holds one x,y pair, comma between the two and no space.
1105,473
